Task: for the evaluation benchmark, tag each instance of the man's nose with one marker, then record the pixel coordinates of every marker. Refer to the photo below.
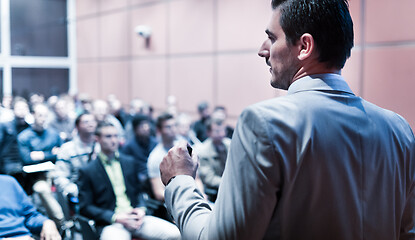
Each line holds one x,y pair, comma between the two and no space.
264,50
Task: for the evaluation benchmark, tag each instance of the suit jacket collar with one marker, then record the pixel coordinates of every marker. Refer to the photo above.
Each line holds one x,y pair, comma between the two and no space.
327,82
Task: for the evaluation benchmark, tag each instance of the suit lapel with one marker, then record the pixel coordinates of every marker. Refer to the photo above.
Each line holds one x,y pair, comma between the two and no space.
101,170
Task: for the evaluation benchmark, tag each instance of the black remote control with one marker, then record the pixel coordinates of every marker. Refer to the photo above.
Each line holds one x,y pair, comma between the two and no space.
189,149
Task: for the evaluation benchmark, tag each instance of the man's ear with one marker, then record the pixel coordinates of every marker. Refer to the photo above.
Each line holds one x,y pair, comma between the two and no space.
306,46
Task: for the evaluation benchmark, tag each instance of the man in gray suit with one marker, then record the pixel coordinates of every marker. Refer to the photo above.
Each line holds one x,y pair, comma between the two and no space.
318,163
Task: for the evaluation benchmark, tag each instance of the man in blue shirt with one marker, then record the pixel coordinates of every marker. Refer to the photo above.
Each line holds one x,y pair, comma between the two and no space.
18,217
39,144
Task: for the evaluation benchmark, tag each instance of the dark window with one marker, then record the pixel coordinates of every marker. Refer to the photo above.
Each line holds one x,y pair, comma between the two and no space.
47,82
38,28
1,83
0,27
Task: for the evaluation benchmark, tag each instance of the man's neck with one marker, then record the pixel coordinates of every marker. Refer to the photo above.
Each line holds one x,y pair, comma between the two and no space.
86,138
38,128
110,155
167,143
314,68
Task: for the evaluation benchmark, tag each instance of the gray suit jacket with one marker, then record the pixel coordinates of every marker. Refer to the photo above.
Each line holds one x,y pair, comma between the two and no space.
318,163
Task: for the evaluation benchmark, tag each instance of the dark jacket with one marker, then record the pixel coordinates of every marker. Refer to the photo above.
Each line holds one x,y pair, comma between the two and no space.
10,159
96,195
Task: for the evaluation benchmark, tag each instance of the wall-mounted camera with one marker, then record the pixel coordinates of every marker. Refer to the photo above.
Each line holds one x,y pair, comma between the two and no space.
143,30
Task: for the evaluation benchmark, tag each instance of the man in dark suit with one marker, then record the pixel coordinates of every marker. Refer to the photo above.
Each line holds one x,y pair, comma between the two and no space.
110,194
319,163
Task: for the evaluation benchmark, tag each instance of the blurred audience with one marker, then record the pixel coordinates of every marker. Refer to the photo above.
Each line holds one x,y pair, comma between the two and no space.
138,106
140,146
199,126
101,111
11,162
110,194
167,130
212,156
116,109
185,131
62,120
220,114
75,154
38,144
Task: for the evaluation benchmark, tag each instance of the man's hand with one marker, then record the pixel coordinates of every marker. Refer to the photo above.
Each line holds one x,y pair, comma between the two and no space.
130,221
37,155
49,231
178,162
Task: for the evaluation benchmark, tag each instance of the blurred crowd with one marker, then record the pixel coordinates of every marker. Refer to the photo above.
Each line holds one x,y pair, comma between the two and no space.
103,157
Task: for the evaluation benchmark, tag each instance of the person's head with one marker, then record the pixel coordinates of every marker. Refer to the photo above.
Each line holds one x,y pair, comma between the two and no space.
141,126
216,130
107,137
139,106
203,109
61,109
85,101
184,123
307,37
20,108
100,110
166,126
219,113
114,104
40,115
36,98
86,124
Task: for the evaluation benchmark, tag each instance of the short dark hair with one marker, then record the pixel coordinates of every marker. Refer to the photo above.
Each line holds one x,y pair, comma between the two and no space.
220,107
328,21
202,106
138,119
78,119
162,118
101,125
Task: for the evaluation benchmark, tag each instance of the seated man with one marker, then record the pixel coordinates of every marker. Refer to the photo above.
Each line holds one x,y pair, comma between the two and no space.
212,156
110,194
10,159
18,217
167,129
75,154
38,144
141,145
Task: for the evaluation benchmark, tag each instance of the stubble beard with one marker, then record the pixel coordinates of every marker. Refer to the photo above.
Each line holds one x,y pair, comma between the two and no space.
281,81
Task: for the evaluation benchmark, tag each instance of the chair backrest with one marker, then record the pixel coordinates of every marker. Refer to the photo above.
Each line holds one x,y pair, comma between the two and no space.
87,228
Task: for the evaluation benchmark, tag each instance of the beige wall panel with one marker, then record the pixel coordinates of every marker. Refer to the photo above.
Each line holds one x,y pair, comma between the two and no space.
355,7
388,20
115,79
88,73
242,23
389,80
87,38
115,34
86,7
144,2
243,79
191,27
149,81
352,71
109,5
191,81
154,16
